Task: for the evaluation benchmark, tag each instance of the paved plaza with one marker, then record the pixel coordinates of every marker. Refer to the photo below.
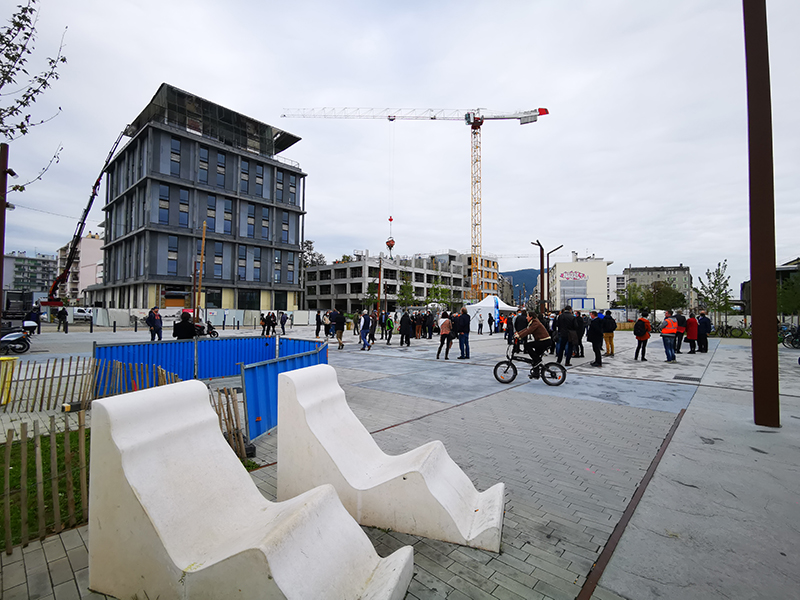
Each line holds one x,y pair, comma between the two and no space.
718,519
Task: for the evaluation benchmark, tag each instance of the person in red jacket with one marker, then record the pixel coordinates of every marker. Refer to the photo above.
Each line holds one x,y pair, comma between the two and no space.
691,332
643,330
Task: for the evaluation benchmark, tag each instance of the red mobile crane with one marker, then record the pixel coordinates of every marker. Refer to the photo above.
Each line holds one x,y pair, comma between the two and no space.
52,299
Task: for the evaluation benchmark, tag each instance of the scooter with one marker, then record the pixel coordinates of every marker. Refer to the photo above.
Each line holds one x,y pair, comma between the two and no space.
16,342
208,329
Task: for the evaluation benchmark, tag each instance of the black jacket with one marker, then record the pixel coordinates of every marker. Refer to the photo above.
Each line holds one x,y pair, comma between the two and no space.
609,324
595,332
565,322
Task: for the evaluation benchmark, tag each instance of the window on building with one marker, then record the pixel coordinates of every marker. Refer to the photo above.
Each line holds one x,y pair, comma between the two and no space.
214,298
242,263
183,214
202,175
251,220
311,275
285,228
277,255
249,300
292,197
217,260
256,264
163,204
211,213
259,180
244,178
228,215
290,267
312,290
264,223
172,255
175,158
277,276
279,193
200,260
220,170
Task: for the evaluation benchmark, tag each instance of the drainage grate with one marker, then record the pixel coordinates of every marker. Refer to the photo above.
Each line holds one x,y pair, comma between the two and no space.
687,378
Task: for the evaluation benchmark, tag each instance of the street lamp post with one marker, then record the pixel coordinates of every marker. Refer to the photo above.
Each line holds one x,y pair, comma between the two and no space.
541,275
548,275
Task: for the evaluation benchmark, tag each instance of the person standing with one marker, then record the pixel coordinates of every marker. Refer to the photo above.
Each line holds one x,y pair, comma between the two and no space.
641,331
373,326
669,329
609,325
490,323
61,317
681,331
389,329
703,329
463,334
338,323
580,330
153,321
445,327
264,324
364,329
383,319
184,329
284,318
480,324
405,329
691,333
594,335
565,324
318,323
431,321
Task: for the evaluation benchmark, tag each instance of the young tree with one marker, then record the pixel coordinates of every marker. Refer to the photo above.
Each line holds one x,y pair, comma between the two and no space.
662,296
789,296
439,293
632,297
372,295
309,257
716,289
18,89
405,295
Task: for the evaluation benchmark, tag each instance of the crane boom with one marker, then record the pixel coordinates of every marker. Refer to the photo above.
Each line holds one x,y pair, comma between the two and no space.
52,300
472,117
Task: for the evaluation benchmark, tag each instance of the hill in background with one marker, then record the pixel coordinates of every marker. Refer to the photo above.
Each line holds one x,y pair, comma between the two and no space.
523,276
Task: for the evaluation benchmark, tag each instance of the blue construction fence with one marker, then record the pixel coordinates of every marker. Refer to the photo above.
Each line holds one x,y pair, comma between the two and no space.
221,357
261,383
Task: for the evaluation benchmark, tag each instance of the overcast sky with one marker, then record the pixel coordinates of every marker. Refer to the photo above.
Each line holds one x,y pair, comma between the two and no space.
642,161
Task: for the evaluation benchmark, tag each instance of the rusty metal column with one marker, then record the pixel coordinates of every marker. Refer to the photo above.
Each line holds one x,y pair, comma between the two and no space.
766,402
3,207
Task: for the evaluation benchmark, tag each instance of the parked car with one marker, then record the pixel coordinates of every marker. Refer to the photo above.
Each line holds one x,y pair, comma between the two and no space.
80,313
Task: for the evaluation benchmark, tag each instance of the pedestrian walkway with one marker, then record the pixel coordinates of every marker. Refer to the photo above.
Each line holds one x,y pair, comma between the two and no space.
716,520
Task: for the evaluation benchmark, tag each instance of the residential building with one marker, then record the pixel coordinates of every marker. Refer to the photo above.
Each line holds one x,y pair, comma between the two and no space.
680,278
489,277
193,166
84,268
615,287
782,274
34,273
345,285
581,283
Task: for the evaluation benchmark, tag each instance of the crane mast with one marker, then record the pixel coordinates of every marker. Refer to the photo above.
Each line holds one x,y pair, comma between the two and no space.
475,118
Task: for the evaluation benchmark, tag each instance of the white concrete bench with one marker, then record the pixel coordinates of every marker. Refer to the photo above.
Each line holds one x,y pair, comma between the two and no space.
422,492
174,514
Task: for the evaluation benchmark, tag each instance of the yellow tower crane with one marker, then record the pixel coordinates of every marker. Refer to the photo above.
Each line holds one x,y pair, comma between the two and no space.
473,118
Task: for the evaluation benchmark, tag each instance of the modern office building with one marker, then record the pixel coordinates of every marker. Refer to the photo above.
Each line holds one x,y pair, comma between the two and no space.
29,273
191,162
84,269
345,285
678,277
615,287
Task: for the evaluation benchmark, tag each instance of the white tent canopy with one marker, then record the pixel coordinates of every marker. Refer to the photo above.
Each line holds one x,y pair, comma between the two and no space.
491,305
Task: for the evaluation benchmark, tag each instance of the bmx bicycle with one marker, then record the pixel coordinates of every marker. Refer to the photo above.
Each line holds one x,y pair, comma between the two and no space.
505,371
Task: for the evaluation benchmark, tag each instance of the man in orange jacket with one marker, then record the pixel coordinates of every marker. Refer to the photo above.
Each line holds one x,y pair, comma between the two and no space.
669,329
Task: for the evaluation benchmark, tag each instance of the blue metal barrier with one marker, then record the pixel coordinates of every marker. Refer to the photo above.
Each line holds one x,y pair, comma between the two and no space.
215,357
261,382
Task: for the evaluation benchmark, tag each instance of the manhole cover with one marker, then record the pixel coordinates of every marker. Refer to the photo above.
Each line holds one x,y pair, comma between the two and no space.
686,378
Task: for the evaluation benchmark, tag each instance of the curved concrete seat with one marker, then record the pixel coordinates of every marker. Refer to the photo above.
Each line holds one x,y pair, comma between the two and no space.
174,514
422,492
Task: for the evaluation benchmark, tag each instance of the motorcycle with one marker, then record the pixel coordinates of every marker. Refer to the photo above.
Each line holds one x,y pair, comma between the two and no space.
16,342
208,330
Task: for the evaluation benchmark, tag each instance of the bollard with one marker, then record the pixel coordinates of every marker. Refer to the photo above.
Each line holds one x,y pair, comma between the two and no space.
39,328
66,327
91,324
136,325
115,327
237,325
223,322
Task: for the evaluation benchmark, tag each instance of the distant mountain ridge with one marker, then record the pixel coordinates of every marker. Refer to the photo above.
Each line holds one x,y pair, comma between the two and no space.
526,277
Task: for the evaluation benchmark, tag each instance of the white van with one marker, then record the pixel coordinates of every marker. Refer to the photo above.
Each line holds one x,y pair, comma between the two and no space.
80,313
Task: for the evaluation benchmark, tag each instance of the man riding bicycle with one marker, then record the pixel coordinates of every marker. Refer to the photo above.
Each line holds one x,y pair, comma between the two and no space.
540,342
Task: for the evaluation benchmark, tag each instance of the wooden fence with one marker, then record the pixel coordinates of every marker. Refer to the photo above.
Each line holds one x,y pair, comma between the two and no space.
53,490
231,423
31,386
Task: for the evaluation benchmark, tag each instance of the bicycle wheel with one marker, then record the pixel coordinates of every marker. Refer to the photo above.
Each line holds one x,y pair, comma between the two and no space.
554,374
796,342
787,341
736,332
505,371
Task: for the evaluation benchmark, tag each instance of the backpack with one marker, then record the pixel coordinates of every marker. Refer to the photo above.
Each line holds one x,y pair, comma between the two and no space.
639,329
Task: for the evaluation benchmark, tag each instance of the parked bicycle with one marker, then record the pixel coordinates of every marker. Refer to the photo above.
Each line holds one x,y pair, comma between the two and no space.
506,371
724,331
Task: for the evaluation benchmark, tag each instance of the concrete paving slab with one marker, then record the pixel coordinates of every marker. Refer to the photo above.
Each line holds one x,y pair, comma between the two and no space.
654,395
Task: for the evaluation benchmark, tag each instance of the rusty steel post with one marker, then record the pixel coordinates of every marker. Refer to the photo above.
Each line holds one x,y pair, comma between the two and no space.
766,402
